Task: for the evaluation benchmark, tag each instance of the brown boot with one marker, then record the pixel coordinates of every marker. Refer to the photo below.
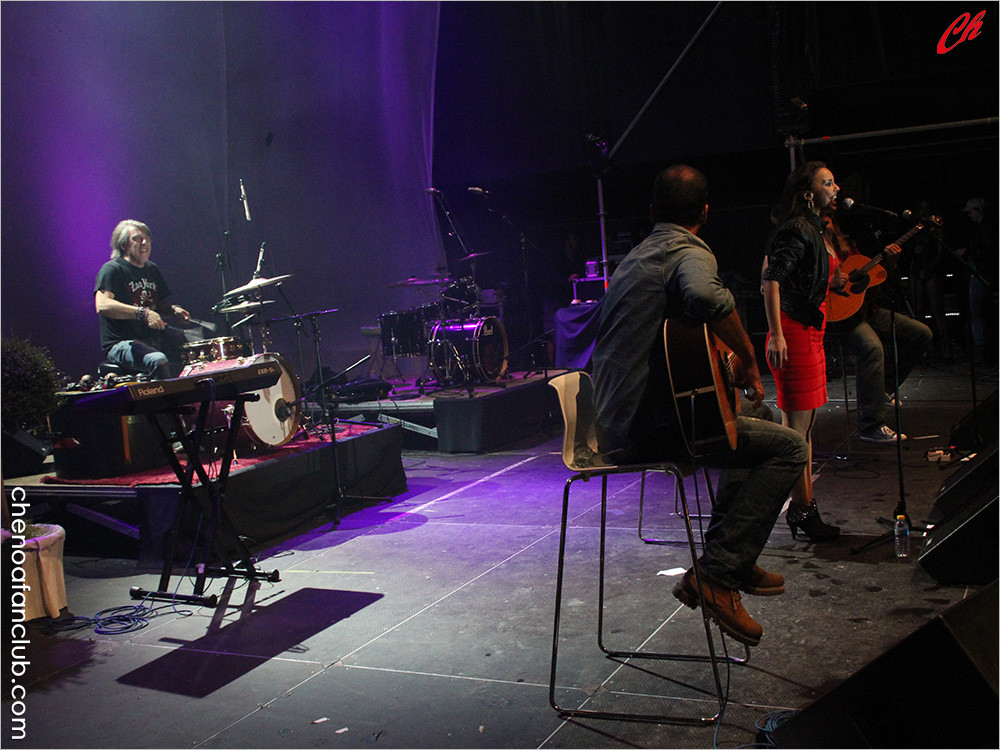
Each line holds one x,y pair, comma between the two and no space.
723,606
763,583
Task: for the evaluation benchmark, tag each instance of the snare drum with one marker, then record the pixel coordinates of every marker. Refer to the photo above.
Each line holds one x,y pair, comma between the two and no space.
468,350
271,420
212,350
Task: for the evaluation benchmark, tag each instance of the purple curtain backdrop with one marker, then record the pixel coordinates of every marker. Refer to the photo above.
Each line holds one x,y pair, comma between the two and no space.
155,111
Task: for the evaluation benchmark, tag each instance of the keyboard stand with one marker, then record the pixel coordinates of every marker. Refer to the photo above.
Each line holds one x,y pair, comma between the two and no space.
210,496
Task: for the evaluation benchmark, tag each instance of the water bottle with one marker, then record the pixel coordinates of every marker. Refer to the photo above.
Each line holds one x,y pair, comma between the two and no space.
902,534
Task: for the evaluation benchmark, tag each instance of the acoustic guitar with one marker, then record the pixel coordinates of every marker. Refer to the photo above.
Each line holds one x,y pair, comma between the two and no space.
700,370
862,274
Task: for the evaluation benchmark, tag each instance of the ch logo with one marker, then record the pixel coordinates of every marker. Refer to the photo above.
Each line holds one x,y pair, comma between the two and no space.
962,28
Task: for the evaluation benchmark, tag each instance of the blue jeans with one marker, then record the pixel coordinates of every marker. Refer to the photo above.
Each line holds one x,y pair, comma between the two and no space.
871,344
755,482
140,357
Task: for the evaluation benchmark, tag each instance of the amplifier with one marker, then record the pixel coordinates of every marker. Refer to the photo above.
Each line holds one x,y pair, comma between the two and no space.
89,445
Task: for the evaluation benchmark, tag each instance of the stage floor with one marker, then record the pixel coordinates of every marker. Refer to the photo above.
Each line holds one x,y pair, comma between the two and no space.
426,622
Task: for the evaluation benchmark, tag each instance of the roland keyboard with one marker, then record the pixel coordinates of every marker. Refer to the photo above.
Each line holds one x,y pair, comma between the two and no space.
162,395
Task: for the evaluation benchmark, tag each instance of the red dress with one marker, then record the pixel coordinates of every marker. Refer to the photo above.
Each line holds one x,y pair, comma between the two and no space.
801,383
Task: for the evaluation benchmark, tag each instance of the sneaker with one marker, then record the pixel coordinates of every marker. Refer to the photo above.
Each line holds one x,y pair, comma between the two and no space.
763,583
884,434
722,605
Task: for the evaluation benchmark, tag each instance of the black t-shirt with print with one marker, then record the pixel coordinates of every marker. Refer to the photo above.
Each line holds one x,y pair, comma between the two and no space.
134,286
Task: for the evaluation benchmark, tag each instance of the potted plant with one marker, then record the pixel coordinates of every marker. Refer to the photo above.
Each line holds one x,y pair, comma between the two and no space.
29,385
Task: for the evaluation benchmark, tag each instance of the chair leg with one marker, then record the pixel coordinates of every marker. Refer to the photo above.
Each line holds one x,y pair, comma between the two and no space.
711,658
678,511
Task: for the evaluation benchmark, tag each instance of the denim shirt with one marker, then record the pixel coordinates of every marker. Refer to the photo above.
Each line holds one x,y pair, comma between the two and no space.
672,273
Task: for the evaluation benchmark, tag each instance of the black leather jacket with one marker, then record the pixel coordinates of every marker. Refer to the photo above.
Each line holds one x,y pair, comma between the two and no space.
797,259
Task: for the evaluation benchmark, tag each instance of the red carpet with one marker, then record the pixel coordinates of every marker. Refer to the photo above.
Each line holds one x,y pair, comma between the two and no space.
165,475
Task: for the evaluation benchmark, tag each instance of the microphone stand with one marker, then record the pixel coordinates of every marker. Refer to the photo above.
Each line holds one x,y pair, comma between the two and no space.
439,197
900,509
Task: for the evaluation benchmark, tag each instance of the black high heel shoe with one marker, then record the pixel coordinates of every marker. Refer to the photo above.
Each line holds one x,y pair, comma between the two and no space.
807,520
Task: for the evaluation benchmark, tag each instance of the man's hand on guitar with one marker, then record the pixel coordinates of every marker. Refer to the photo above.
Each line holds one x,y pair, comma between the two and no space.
747,377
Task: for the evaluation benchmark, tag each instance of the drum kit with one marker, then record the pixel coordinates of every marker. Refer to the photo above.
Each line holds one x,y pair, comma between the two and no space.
461,347
274,417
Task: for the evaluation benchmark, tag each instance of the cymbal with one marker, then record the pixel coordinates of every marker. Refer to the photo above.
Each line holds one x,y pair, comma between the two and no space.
472,256
246,306
414,281
256,284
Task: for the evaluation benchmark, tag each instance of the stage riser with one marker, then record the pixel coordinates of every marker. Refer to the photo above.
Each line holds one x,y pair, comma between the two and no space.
273,498
487,422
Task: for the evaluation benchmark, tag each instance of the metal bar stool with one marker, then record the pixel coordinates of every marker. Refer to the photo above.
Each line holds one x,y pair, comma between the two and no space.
580,455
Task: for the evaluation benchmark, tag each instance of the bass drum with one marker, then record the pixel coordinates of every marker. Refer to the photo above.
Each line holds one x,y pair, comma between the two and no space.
273,419
468,350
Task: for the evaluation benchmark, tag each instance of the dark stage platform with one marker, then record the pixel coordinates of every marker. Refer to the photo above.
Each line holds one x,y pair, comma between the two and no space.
482,419
269,494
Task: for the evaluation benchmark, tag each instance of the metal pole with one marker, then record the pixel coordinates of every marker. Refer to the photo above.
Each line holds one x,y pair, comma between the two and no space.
631,126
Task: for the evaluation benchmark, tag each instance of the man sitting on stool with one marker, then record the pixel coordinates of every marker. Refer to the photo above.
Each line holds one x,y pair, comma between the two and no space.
130,296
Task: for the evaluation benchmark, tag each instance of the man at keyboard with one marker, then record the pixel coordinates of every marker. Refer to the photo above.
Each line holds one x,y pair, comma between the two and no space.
130,295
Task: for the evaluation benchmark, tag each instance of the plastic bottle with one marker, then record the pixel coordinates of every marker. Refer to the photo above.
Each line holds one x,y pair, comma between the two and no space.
902,534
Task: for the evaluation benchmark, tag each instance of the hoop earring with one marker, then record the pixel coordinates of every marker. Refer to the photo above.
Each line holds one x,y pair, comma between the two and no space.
809,201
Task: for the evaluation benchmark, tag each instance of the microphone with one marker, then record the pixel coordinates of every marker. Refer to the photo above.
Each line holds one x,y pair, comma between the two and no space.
260,261
243,197
479,191
849,203
432,191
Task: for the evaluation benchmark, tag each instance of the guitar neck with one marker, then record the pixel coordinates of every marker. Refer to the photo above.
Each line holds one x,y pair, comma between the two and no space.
881,256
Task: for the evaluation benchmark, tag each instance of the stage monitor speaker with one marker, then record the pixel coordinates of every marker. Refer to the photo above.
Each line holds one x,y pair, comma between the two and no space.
964,547
963,434
967,484
936,688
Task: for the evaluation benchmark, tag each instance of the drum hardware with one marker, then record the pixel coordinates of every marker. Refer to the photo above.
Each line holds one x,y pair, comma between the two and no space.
464,352
414,281
473,256
246,306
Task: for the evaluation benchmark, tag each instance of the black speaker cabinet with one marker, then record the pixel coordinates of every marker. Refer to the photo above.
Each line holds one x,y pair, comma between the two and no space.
936,688
968,483
963,548
94,446
977,426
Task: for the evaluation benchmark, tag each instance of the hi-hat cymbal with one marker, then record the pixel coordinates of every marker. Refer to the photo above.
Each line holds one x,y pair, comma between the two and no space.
256,284
414,281
472,256
246,306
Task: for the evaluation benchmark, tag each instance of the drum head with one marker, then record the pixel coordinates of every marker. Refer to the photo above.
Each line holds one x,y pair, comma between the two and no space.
468,351
274,418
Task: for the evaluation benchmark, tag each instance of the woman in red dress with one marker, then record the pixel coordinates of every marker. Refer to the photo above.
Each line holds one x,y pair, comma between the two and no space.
801,267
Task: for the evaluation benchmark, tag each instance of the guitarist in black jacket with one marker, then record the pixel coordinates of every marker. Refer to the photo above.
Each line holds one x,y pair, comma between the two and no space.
673,275
868,336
